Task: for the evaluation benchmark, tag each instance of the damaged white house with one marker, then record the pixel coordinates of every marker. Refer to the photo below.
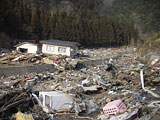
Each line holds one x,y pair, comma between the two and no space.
56,47
27,47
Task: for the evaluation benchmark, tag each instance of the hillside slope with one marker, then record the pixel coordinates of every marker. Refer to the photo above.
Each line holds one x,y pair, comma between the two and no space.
81,23
152,45
90,22
145,13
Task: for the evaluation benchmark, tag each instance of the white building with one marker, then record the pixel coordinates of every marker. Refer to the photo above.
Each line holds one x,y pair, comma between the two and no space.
59,47
27,47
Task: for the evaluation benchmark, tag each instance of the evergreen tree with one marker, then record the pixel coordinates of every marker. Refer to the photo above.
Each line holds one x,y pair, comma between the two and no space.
52,24
27,15
45,28
35,21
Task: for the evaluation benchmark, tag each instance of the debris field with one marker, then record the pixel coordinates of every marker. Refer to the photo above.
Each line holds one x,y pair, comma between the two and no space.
118,86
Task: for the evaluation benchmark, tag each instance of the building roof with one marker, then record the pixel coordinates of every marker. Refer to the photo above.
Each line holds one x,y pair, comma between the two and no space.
24,43
25,40
59,42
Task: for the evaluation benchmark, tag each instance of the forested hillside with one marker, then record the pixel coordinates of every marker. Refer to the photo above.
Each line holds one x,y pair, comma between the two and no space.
145,13
67,4
89,22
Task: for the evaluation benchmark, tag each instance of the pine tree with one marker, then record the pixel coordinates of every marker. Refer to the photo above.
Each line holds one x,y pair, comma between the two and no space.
35,21
45,28
52,24
27,15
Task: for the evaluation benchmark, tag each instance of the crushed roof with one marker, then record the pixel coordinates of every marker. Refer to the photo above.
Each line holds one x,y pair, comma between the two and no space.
24,43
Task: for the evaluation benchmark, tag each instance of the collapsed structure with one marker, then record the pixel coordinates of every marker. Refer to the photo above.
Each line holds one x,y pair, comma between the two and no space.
27,47
56,47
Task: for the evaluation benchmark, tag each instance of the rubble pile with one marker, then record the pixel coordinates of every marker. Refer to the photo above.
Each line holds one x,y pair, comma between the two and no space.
15,58
21,59
121,88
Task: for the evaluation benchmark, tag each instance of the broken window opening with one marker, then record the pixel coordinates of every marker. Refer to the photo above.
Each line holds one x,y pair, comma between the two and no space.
23,50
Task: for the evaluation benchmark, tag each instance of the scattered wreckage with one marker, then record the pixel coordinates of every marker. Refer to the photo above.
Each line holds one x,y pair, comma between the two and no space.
120,88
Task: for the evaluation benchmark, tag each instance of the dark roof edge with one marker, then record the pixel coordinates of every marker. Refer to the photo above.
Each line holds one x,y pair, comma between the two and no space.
59,42
24,43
